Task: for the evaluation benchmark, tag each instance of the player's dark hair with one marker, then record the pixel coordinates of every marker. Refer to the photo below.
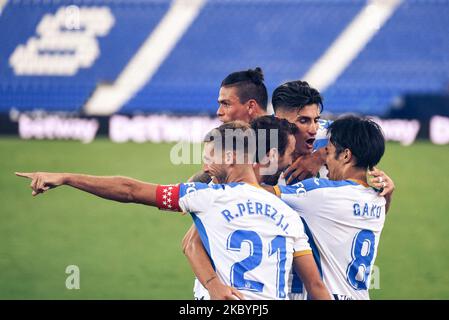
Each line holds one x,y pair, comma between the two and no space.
249,85
295,94
362,136
283,127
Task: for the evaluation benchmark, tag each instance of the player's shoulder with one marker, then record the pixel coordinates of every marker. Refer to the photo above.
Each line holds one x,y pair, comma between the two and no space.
321,136
189,187
315,184
324,124
322,183
192,187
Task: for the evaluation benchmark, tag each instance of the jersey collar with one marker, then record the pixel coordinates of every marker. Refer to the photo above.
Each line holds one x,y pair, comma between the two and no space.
363,183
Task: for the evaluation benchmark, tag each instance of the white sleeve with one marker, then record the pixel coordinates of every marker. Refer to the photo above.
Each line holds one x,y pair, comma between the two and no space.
195,197
301,246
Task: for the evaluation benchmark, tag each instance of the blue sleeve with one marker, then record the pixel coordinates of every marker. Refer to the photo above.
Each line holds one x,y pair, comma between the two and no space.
308,185
320,143
185,188
321,138
304,196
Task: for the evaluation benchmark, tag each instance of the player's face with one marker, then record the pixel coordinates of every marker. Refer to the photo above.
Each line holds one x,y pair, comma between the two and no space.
306,119
334,164
287,158
213,163
229,106
283,162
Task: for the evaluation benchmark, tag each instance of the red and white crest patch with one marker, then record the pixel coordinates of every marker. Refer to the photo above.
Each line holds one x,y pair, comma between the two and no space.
167,197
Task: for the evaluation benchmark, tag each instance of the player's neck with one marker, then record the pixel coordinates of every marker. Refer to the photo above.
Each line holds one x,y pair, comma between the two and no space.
259,112
356,174
242,173
256,170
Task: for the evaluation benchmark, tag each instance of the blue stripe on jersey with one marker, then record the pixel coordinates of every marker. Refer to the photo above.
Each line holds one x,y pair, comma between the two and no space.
320,143
316,253
188,187
324,124
232,184
297,284
314,183
203,235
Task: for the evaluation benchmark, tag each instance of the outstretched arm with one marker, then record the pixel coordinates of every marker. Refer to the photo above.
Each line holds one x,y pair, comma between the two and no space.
120,189
307,270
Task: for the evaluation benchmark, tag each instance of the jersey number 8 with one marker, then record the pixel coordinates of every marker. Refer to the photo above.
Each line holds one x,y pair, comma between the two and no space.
362,253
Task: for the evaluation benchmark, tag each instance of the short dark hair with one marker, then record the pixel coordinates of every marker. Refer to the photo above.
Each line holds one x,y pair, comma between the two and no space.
294,94
284,128
249,85
362,136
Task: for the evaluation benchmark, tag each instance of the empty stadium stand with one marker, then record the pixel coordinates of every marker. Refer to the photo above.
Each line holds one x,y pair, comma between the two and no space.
409,54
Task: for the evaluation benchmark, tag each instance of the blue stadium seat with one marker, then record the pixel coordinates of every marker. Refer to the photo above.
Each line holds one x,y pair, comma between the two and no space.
408,55
134,20
284,37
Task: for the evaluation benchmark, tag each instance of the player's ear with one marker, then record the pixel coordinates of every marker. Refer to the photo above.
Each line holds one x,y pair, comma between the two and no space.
251,106
273,154
347,156
229,157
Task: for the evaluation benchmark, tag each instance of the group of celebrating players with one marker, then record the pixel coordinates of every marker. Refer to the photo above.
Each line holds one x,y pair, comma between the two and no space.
299,218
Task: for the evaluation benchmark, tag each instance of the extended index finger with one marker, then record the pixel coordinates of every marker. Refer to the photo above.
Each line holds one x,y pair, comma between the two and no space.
25,174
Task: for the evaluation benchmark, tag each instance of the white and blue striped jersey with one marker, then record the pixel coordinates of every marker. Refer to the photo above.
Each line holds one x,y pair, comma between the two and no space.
321,141
343,220
321,138
250,235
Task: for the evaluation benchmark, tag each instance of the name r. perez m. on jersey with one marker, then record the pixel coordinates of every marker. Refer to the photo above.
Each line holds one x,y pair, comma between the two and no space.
254,208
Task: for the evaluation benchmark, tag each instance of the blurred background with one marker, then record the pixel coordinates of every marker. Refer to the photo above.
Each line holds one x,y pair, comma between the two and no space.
108,87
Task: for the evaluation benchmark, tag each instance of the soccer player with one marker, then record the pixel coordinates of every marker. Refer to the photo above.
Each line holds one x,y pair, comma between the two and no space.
302,105
251,236
243,96
273,155
344,216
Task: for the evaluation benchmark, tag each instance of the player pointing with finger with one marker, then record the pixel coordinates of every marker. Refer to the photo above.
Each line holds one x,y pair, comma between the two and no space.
252,238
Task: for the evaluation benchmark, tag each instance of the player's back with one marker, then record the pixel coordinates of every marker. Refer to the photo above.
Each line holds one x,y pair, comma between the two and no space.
249,234
343,220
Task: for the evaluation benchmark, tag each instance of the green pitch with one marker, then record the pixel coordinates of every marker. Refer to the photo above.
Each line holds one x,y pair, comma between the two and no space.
127,251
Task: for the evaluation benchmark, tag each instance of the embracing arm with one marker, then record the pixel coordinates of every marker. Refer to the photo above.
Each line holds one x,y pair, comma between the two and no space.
120,189
305,166
193,248
201,265
381,181
307,270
